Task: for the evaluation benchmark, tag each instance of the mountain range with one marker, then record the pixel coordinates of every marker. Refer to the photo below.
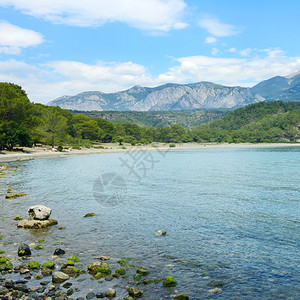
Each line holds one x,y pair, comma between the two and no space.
181,97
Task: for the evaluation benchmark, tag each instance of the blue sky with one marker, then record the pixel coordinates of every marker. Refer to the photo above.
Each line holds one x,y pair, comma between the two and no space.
53,47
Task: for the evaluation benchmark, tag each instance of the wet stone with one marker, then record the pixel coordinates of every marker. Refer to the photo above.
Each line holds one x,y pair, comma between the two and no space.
59,251
100,295
21,287
90,295
67,285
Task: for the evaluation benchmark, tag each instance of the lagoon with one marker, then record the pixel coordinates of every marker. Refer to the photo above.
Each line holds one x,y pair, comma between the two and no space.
232,217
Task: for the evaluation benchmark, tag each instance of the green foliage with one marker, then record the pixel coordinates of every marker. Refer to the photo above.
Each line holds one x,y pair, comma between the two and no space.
16,118
23,123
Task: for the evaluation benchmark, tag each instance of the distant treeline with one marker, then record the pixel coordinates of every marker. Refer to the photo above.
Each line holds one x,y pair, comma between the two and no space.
157,118
23,123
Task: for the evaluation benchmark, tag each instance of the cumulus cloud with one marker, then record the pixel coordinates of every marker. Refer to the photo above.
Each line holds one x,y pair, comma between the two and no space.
233,71
216,27
13,38
210,40
57,78
214,51
149,15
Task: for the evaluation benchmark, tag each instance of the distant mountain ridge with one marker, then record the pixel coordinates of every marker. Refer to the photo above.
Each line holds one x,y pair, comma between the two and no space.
177,97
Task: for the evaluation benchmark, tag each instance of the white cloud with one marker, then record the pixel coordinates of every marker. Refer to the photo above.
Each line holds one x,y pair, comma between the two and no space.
232,50
12,38
57,78
216,27
246,52
232,71
210,40
214,51
149,15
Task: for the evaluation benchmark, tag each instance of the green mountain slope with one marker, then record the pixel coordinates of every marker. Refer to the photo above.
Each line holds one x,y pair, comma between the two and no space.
260,122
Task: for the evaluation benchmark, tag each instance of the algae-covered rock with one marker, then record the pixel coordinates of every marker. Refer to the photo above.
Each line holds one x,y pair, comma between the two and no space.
135,292
9,191
71,270
99,267
68,263
18,218
169,281
120,271
181,297
13,196
90,215
73,258
142,271
37,224
49,265
34,265
5,264
24,250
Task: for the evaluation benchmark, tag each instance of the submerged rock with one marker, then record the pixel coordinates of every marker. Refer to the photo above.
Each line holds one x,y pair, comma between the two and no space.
170,281
59,277
90,215
161,232
135,292
5,264
39,212
181,297
37,224
59,251
110,293
99,267
12,196
24,250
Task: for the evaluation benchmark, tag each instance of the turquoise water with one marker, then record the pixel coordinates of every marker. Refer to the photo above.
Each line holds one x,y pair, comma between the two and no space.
232,216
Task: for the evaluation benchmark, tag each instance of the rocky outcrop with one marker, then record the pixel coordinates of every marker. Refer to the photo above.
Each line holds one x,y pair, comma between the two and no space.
39,212
36,224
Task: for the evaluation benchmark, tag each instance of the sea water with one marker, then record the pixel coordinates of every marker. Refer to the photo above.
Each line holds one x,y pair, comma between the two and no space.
232,217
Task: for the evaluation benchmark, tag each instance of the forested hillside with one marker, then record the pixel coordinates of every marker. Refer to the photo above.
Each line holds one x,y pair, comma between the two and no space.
157,118
23,123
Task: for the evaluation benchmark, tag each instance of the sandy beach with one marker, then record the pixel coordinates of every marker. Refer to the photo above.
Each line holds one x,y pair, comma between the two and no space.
46,152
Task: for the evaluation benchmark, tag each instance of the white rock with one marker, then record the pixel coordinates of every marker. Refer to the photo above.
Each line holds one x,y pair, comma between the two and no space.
110,293
59,277
39,212
161,232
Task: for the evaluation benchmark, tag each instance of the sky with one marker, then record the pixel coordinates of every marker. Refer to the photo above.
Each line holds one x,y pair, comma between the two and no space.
53,48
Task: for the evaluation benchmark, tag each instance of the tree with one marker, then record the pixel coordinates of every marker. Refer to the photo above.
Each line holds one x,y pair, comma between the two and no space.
15,116
53,123
86,127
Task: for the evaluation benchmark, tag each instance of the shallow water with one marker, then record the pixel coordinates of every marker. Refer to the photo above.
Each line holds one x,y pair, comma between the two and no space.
231,215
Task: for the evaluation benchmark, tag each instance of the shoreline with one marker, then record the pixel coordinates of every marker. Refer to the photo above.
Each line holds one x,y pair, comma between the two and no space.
43,152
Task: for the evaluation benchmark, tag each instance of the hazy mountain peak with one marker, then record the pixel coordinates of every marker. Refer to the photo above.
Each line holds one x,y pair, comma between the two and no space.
192,96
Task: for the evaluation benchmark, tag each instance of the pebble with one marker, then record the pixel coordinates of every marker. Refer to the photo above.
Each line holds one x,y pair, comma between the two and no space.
90,295
38,276
215,291
110,293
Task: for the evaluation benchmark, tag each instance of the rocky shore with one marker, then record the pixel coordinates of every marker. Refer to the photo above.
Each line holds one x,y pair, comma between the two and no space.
25,277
